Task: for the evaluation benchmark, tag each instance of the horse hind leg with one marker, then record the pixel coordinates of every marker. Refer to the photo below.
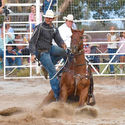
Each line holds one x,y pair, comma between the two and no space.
91,99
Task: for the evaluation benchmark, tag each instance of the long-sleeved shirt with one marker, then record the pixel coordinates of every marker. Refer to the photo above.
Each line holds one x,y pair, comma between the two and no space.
65,33
42,38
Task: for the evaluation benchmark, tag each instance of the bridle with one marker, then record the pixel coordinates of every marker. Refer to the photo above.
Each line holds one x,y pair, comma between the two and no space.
76,51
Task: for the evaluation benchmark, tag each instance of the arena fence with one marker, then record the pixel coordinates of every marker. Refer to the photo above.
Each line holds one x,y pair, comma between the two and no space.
30,70
103,66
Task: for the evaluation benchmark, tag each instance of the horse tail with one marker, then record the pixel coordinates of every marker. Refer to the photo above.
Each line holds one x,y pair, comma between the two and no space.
91,80
91,88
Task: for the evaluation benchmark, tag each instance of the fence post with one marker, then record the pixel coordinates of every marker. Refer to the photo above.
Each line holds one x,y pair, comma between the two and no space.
37,11
37,22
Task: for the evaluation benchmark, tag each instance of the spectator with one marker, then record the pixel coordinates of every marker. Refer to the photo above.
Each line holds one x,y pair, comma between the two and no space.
12,60
24,50
21,49
122,50
48,5
1,6
1,43
65,30
27,36
112,47
9,36
19,40
32,16
95,58
87,48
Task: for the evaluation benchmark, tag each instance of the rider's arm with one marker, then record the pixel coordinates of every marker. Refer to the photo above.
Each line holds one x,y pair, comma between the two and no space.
33,41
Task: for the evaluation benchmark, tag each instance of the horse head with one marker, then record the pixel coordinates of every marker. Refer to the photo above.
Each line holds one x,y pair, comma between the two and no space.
77,41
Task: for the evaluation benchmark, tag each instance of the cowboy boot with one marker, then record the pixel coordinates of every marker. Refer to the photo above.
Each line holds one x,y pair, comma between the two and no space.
45,73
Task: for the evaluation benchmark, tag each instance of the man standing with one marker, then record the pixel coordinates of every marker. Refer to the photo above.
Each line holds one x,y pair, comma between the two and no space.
112,47
41,46
65,29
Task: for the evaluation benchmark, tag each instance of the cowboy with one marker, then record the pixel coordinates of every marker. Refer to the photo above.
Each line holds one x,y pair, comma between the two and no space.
65,29
41,47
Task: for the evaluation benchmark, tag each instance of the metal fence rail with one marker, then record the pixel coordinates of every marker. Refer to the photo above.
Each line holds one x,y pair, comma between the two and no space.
20,29
103,65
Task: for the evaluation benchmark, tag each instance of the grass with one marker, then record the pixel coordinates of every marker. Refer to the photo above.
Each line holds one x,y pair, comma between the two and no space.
116,69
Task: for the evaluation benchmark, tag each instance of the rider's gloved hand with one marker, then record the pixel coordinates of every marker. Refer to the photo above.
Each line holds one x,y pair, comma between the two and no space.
33,57
64,46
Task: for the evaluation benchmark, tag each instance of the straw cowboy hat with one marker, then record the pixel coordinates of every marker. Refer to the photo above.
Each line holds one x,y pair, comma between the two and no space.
69,17
49,14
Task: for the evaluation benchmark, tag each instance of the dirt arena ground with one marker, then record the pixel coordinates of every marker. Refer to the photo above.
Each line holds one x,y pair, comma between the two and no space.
20,100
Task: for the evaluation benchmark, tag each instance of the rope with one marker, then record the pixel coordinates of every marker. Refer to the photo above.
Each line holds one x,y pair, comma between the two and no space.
9,73
58,71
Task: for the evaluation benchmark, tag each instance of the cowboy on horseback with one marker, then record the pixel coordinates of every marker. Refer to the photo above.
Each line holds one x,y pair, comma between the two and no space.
41,47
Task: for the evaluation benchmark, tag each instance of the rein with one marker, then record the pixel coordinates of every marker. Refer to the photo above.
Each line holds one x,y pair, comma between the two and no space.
78,76
79,53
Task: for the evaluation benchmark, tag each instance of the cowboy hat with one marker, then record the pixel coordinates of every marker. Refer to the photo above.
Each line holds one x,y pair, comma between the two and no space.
69,17
49,14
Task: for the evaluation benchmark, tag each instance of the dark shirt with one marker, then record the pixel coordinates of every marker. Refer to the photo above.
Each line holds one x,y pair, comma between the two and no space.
42,38
10,60
0,3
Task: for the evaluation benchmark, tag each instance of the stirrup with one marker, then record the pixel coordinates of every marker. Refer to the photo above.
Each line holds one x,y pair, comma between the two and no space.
91,100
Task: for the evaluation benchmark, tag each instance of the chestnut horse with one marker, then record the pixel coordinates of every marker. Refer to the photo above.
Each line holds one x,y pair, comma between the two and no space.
76,80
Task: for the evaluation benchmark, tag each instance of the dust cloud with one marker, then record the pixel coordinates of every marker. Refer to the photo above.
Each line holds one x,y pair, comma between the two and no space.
19,101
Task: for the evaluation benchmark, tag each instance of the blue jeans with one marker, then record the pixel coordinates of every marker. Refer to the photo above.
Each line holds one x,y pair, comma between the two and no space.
17,61
1,56
48,60
114,60
1,53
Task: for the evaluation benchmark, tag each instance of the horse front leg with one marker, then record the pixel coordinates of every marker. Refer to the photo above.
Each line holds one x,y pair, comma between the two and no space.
49,98
63,93
83,96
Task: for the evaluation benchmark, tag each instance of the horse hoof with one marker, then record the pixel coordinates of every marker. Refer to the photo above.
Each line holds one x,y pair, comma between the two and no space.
91,101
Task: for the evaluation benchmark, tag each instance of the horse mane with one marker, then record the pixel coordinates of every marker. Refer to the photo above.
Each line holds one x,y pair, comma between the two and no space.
76,30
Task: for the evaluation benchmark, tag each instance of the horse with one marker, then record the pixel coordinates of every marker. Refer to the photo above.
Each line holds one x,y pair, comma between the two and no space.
76,79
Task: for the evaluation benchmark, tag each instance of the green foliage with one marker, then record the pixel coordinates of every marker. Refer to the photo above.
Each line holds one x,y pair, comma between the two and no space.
97,9
23,73
101,9
104,8
1,19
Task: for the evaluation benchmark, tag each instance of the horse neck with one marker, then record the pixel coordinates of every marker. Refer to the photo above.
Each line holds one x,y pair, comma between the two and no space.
80,63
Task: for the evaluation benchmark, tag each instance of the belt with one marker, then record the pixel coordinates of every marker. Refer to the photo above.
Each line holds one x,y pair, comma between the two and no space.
41,51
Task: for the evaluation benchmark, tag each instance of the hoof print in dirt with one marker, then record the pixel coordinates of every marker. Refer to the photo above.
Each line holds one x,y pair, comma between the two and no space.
10,111
87,110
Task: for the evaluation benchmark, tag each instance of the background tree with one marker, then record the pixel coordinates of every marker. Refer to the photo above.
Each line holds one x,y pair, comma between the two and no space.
96,9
